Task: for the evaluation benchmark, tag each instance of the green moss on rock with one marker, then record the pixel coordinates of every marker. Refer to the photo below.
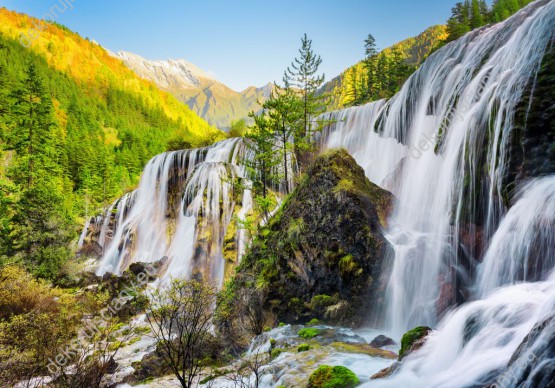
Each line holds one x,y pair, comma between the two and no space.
411,338
308,332
332,377
303,348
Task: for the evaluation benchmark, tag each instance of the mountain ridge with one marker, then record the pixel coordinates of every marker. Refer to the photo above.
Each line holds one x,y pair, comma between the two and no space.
211,99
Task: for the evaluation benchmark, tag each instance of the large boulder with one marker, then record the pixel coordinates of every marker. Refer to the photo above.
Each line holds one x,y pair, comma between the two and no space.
321,256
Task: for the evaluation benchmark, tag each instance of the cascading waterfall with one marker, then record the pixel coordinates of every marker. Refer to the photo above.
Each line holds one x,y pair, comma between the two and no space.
181,209
441,146
473,345
351,128
523,247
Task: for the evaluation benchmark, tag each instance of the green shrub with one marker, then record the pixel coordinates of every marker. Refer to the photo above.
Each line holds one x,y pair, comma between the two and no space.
332,377
308,333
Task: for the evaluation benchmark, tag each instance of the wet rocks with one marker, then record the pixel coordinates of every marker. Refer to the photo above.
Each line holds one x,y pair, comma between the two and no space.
382,341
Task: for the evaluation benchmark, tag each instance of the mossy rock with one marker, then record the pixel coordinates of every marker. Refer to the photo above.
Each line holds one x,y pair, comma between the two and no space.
363,349
413,340
276,352
323,248
332,377
313,322
308,333
303,348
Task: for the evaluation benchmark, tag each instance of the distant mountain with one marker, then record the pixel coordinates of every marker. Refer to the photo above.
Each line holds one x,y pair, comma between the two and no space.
209,98
413,51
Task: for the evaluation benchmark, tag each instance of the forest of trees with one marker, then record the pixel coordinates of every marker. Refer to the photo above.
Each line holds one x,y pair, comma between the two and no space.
382,73
471,14
66,149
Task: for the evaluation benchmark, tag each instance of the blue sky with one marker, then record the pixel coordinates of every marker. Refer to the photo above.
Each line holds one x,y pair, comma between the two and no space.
244,42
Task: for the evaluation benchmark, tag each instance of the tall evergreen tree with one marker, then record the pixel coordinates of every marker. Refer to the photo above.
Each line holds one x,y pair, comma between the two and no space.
261,140
303,75
33,137
40,231
370,61
459,23
477,17
353,87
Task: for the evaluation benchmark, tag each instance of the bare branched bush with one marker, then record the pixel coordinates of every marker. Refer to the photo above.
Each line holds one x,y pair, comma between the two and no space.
250,371
180,316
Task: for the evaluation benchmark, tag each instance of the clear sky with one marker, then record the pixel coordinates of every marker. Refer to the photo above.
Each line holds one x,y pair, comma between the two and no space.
244,42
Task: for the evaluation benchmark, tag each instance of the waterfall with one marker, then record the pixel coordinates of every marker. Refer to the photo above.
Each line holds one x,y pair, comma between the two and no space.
182,209
441,145
352,128
83,234
523,248
473,345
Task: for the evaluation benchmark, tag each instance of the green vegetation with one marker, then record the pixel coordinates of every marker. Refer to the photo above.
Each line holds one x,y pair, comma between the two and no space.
471,14
238,128
313,322
303,348
276,352
410,337
39,323
381,74
332,377
283,133
308,333
69,146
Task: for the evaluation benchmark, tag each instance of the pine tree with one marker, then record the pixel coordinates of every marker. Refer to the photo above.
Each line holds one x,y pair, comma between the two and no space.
459,23
262,167
476,18
353,94
303,75
40,232
370,62
32,139
4,105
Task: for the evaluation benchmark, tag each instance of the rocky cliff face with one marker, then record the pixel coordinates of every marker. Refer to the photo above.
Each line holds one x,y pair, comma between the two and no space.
321,254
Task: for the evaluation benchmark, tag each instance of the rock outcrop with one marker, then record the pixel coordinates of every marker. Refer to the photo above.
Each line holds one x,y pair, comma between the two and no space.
321,256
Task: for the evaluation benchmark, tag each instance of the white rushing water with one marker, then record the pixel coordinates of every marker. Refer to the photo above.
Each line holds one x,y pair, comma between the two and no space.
477,340
523,247
198,185
441,146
